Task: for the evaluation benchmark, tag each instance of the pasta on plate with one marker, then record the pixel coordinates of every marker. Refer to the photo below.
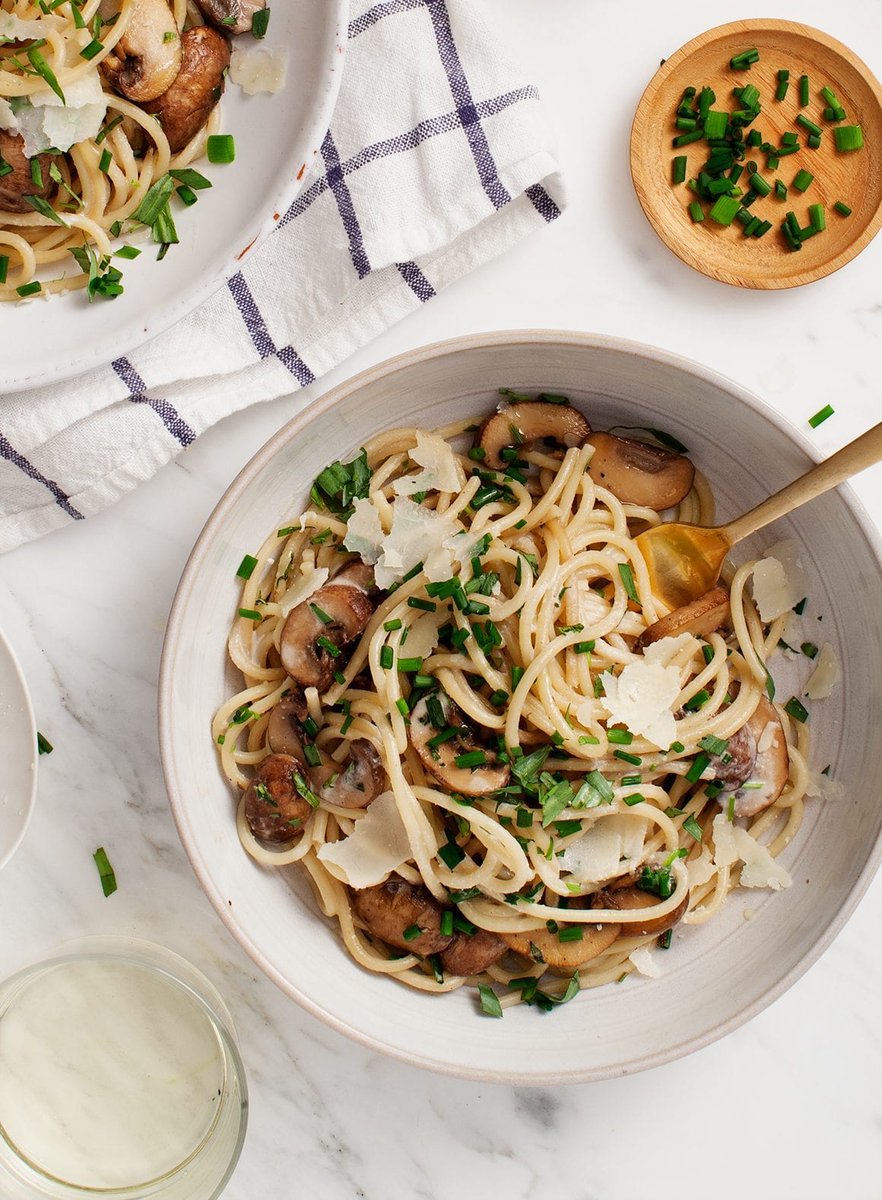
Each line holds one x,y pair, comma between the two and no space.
104,104
499,759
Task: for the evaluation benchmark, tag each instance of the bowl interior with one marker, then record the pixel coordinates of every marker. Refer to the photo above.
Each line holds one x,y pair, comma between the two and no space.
715,976
18,748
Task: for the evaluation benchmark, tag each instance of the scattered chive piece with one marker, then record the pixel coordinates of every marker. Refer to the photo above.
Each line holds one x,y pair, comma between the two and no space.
802,180
678,169
794,708
220,148
489,1001
260,23
724,210
780,190
90,51
246,566
321,614
814,141
848,137
685,139
697,701
105,871
572,933
312,755
783,85
633,759
620,737
425,605
842,208
413,931
447,923
744,60
803,90
810,126
759,185
4,267
625,572
713,745
250,614
386,658
698,765
818,217
391,626
451,855
809,649
693,828
696,212
820,416
43,745
472,758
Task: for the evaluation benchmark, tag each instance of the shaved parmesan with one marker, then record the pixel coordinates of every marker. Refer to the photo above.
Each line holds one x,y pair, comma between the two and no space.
606,848
778,580
364,532
7,116
823,786
733,844
826,675
586,607
645,962
700,869
46,121
302,588
417,535
258,70
15,29
377,845
640,698
440,473
422,637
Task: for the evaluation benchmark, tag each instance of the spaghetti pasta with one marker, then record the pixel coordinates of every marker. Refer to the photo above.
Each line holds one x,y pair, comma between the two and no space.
505,763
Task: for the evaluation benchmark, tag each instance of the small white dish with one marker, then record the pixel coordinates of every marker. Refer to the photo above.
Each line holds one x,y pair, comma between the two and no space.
18,753
716,976
277,138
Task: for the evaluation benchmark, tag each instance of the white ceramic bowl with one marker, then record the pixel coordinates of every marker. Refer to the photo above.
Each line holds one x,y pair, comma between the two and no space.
716,976
18,753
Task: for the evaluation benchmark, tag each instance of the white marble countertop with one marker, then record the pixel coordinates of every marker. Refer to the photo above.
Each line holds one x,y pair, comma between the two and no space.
789,1105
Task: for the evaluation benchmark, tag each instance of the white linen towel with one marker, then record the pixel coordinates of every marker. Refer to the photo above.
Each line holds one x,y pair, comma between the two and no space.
418,181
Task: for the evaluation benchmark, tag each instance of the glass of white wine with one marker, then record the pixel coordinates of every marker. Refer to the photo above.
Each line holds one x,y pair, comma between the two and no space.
119,1076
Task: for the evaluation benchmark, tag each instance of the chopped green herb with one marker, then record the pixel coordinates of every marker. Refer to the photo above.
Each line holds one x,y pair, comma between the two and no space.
105,871
848,137
489,1001
43,746
820,416
246,566
794,708
220,148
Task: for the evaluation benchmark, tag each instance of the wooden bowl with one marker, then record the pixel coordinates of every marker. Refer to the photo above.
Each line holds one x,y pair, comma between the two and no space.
853,177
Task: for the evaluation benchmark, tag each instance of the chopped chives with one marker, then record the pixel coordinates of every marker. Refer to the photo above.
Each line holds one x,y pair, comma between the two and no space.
43,745
685,139
678,169
818,217
696,212
699,763
625,572
391,626
29,289
794,708
413,931
821,415
490,1005
809,649
697,701
620,737
312,755
472,758
94,48
451,855
715,125
425,605
220,148
4,267
713,745
810,126
693,828
260,22
780,190
842,208
246,566
328,645
724,210
105,871
386,657
803,90
814,141
250,614
802,180
634,759
759,185
571,933
410,666
783,85
848,137
744,60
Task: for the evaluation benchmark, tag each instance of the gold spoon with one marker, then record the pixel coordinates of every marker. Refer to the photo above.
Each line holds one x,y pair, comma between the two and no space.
684,561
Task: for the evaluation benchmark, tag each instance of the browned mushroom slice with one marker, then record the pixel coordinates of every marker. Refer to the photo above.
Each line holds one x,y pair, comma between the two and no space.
185,106
233,16
274,809
284,731
440,760
628,899
760,763
146,60
471,954
563,956
355,784
396,908
527,422
638,473
337,613
700,618
19,182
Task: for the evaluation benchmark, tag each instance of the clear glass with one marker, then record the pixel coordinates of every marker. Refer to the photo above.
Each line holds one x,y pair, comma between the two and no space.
119,1077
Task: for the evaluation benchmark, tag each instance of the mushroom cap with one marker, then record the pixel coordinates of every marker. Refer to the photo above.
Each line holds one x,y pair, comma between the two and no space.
355,783
470,954
19,182
638,473
232,16
629,899
143,64
700,617
524,423
348,606
769,765
563,956
284,732
272,801
440,760
391,907
186,103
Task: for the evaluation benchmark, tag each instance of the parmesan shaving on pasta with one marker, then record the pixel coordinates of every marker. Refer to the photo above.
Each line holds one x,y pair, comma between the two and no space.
377,845
734,844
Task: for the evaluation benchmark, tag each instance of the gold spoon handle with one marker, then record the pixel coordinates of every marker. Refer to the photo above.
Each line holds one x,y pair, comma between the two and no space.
856,456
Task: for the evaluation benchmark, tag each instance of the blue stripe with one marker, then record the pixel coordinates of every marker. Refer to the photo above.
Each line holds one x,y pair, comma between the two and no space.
416,281
289,357
401,142
345,207
542,202
251,315
466,109
378,12
18,460
168,414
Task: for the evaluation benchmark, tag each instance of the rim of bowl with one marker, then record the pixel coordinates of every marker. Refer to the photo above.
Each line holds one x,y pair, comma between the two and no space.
231,497
28,708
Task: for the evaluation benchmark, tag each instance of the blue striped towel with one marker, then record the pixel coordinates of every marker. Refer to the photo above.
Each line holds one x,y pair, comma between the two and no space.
419,180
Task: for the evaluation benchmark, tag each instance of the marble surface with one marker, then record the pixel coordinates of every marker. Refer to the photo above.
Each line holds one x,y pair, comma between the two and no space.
788,1106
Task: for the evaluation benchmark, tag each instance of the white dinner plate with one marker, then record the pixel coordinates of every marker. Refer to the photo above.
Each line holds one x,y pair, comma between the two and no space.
277,137
18,753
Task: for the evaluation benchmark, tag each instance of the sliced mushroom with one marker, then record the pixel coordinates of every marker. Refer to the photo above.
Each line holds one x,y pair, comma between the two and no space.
527,422
760,763
233,16
700,618
19,182
185,106
563,956
469,955
349,608
145,61
355,784
274,809
638,473
628,899
284,731
395,907
441,760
